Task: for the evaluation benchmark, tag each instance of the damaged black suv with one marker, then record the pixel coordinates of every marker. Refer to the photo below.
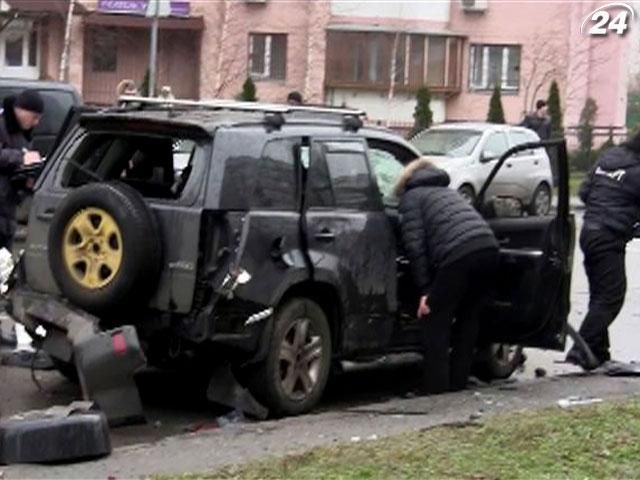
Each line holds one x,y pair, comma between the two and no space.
265,237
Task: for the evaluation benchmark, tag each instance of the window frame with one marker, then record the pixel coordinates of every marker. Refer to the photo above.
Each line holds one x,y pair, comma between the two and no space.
321,148
30,39
352,67
267,73
94,52
485,85
191,190
299,140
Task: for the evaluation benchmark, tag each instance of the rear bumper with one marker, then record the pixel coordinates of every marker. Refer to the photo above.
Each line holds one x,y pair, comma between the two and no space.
106,361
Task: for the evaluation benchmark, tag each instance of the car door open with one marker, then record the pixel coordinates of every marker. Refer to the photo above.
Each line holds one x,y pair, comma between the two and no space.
530,303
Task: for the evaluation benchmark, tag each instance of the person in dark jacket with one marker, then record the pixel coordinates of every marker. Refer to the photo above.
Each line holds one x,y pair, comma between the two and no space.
19,116
611,194
453,256
539,121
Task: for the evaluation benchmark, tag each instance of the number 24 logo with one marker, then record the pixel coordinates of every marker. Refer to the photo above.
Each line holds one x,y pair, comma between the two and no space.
603,21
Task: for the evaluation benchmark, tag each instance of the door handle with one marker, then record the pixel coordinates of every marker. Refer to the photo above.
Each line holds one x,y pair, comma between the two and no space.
325,235
509,165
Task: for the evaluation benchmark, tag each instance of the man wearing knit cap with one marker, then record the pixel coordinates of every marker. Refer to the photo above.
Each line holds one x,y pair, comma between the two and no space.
19,116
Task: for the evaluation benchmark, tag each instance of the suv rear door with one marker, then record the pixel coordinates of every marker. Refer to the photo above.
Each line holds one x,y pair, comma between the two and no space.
530,306
350,242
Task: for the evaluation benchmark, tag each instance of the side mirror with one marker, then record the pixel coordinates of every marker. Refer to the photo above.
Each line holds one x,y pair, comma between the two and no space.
487,156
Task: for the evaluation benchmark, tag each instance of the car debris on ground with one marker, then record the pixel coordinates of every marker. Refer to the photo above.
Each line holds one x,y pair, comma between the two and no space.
577,401
68,433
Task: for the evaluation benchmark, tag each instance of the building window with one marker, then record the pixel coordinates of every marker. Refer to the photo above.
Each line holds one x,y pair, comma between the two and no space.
20,41
366,59
104,50
268,56
493,65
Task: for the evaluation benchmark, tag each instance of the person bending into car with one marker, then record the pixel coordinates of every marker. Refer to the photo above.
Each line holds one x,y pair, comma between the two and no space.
19,116
611,194
453,255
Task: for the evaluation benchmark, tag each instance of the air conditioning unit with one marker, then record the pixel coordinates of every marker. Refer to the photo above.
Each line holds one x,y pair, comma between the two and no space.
474,5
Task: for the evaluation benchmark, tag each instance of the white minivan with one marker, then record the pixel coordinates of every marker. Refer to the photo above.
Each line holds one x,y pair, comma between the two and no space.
469,151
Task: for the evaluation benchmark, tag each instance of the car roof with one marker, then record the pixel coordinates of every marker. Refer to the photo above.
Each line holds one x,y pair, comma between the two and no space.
210,120
482,126
36,84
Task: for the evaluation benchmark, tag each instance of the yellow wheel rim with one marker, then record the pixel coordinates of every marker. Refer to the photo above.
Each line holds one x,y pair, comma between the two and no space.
92,248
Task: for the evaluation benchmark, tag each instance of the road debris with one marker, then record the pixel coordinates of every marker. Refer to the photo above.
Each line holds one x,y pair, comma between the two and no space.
68,433
27,358
621,369
578,401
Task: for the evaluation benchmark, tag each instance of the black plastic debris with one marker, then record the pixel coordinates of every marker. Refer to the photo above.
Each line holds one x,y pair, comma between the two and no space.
224,389
27,358
614,368
70,433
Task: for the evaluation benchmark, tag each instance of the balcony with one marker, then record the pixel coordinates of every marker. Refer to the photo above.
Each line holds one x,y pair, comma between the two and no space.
364,61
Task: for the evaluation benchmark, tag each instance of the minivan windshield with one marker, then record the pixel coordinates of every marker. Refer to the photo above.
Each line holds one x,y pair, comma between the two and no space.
447,142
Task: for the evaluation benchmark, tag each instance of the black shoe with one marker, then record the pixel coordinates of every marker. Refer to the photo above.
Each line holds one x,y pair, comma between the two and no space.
577,357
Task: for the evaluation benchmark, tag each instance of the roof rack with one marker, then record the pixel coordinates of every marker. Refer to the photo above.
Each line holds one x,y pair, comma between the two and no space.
238,106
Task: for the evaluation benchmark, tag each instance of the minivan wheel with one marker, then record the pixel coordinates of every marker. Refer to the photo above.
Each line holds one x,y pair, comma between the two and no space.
292,378
104,248
541,202
466,192
498,361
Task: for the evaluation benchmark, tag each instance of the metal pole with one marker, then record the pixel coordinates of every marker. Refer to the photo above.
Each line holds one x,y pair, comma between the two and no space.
153,60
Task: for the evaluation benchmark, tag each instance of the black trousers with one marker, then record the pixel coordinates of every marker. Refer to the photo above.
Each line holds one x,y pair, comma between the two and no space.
604,262
451,329
5,241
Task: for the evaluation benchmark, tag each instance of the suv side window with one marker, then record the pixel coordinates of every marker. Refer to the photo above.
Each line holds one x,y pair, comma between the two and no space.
387,169
276,176
339,176
496,145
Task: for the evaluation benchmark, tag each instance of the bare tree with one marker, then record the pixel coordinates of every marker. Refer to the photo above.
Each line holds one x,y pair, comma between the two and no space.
544,62
232,63
64,60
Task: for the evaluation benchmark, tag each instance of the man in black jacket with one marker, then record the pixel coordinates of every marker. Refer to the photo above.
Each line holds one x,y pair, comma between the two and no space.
19,116
611,194
539,121
453,256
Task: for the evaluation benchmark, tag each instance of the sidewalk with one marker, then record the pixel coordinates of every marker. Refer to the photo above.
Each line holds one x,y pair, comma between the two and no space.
209,450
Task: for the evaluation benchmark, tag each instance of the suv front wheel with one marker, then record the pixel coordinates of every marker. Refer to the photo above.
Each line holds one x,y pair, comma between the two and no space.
293,376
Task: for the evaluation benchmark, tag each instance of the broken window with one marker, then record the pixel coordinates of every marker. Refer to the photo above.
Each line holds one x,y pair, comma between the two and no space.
157,167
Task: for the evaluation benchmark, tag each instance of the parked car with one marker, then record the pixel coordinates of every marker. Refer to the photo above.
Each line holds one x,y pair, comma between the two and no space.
58,98
274,249
469,151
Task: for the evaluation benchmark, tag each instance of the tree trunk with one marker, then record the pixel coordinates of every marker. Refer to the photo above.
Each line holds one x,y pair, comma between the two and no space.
394,67
64,60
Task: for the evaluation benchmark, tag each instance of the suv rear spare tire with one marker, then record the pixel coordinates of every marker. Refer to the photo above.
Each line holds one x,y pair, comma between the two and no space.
104,248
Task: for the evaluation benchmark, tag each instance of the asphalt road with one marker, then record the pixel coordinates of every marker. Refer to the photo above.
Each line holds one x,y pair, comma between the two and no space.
182,435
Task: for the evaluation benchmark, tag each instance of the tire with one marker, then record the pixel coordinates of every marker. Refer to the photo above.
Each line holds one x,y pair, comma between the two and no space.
104,248
267,380
541,201
498,362
467,192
